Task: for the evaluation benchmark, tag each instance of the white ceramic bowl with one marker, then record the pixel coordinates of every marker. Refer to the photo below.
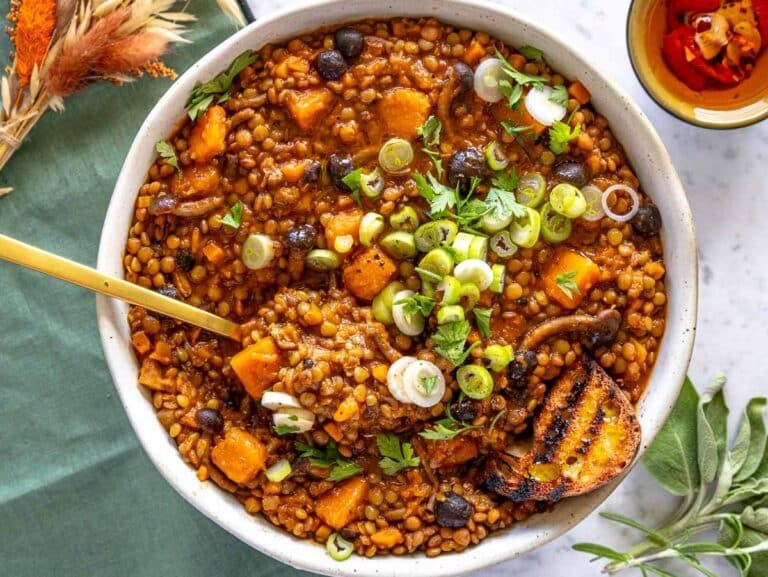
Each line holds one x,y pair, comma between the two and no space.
650,160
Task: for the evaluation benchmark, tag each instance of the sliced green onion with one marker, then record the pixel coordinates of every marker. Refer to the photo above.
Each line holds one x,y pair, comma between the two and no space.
372,184
555,227
498,357
278,471
344,243
428,287
434,234
468,296
494,154
567,200
497,284
475,271
395,155
371,227
593,196
531,189
322,260
502,245
493,222
399,245
438,261
525,231
382,302
461,245
407,219
338,547
257,252
428,275
450,286
479,247
414,377
475,381
408,324
450,314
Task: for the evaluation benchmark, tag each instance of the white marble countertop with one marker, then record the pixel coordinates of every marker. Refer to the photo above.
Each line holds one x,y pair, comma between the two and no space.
726,177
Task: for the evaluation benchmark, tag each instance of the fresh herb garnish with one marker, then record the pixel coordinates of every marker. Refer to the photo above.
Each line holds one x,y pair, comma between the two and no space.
329,457
531,53
514,130
520,77
428,383
496,419
502,202
286,429
483,321
506,181
428,273
560,134
440,197
450,339
168,154
513,94
721,489
430,135
396,455
416,304
565,283
235,215
203,93
559,95
354,181
447,428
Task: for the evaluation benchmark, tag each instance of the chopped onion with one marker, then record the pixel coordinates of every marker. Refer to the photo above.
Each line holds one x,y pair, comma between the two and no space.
414,380
274,401
257,251
543,110
593,196
395,382
296,420
487,76
620,188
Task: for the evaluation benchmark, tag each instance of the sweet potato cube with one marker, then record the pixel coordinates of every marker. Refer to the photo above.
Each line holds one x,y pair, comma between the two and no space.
387,538
519,117
151,376
196,181
343,503
257,366
240,456
403,111
343,223
140,342
214,253
309,106
578,91
368,273
453,452
569,276
208,137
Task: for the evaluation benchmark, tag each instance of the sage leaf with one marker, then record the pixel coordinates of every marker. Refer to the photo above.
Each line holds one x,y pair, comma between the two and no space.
747,490
759,567
708,458
756,519
672,459
716,412
731,531
747,452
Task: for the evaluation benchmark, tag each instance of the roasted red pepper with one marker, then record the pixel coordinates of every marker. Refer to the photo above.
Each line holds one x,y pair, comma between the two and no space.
761,11
674,49
677,8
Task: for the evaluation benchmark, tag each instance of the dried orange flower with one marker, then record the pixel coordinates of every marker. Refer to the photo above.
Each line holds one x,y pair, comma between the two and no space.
35,21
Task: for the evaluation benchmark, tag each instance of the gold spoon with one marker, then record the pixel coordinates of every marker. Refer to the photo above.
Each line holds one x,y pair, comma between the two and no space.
36,259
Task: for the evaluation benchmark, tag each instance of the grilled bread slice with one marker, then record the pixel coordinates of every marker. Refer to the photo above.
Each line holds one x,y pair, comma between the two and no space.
584,436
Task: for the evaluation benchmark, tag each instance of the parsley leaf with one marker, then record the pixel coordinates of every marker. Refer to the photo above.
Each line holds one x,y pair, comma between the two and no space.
447,428
513,94
450,339
286,429
513,130
354,180
437,159
416,304
483,320
439,196
531,53
203,93
561,134
507,181
502,202
329,456
430,131
520,77
566,283
235,215
396,455
559,95
168,154
428,383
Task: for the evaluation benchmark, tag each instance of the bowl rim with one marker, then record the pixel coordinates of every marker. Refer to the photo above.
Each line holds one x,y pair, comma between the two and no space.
668,107
275,542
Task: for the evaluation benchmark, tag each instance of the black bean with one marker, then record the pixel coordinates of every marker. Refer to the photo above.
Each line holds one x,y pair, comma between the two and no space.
464,411
169,290
301,237
209,420
647,221
453,512
184,260
465,164
331,64
339,166
466,77
348,41
313,172
572,171
521,367
307,363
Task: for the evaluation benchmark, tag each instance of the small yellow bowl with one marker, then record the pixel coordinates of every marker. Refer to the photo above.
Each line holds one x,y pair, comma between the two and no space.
735,107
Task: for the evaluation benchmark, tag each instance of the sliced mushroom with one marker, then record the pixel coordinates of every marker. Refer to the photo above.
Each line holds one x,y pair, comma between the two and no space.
198,207
584,437
599,329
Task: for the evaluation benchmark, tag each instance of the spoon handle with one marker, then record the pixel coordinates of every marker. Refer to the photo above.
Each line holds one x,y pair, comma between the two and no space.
36,259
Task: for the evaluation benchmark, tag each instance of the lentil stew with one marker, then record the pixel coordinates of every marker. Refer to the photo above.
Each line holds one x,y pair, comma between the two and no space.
428,237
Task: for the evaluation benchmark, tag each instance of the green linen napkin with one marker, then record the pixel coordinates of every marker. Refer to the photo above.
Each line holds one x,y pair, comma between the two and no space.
78,496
